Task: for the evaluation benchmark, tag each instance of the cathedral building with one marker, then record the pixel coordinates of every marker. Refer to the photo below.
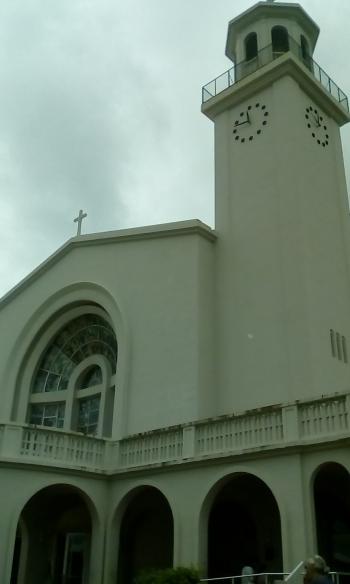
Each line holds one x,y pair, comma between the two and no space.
177,395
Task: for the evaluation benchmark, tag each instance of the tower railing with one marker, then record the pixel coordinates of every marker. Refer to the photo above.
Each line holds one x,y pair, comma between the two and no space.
265,56
270,578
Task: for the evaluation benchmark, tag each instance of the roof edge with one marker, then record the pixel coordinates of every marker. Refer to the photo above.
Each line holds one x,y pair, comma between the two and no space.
175,229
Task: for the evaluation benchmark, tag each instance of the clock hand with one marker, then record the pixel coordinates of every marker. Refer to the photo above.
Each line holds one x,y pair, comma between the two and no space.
317,120
247,121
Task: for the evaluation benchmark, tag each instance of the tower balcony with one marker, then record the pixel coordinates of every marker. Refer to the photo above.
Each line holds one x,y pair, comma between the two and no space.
296,425
266,56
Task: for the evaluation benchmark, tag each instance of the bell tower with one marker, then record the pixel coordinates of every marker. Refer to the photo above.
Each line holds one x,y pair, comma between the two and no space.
282,216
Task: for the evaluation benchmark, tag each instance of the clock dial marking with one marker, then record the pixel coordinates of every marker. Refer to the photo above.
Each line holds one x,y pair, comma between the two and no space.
250,122
316,123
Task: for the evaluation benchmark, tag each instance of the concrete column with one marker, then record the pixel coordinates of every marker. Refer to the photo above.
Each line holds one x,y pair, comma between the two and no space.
96,571
7,543
10,446
186,524
295,514
186,540
111,551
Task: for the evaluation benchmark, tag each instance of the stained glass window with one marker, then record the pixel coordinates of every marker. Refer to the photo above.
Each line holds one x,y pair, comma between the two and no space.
83,336
88,335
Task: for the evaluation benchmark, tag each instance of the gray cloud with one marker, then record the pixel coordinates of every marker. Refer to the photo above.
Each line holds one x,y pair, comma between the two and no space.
100,110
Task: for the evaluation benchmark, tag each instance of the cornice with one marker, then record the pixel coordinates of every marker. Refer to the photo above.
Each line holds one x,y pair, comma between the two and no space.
176,229
286,65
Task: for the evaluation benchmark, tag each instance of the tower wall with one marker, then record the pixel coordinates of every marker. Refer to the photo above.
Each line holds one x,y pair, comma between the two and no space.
282,253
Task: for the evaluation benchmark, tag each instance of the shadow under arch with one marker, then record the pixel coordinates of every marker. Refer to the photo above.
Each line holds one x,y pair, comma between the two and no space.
241,524
144,531
330,485
55,531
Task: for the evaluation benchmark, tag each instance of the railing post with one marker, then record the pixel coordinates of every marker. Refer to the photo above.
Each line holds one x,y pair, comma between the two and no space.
111,455
188,437
290,423
11,441
347,409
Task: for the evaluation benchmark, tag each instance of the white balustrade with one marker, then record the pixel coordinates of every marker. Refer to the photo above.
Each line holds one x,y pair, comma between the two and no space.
239,433
323,418
151,448
299,422
55,446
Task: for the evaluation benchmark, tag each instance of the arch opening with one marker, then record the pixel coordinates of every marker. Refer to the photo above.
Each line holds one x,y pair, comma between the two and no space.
244,528
305,52
58,527
280,40
332,511
251,46
146,535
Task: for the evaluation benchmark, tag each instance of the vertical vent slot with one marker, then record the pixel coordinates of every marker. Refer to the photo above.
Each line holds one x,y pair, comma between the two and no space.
338,346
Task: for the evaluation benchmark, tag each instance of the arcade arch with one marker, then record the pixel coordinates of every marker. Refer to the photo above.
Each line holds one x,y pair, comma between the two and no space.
146,534
53,537
331,489
244,527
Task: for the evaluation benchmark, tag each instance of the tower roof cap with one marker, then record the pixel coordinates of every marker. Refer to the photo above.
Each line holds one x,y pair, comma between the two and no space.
271,9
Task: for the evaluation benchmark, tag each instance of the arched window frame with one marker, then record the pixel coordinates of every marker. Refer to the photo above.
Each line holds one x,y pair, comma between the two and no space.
72,396
280,40
251,46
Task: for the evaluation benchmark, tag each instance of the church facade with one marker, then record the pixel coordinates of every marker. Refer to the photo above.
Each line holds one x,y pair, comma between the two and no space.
178,395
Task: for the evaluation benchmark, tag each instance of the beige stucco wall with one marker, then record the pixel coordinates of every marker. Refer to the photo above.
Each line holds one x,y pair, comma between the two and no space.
282,252
158,293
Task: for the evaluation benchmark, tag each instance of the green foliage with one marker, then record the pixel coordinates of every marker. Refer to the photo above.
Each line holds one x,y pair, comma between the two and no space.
169,576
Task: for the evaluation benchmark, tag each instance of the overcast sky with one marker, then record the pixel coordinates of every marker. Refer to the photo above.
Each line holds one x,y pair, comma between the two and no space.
100,110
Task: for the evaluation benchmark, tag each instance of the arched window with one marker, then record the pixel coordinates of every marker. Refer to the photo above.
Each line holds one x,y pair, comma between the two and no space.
305,52
251,46
72,385
280,40
84,336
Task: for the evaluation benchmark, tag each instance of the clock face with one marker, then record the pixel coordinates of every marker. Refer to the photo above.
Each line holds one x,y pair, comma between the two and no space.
250,122
317,124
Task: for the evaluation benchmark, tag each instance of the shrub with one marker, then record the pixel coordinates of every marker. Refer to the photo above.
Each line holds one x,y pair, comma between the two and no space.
169,576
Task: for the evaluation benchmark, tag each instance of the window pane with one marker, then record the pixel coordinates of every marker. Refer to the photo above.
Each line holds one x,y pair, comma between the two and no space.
52,382
40,380
92,377
50,415
88,415
36,414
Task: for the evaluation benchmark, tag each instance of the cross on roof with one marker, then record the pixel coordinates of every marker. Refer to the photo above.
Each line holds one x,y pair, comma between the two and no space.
79,220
